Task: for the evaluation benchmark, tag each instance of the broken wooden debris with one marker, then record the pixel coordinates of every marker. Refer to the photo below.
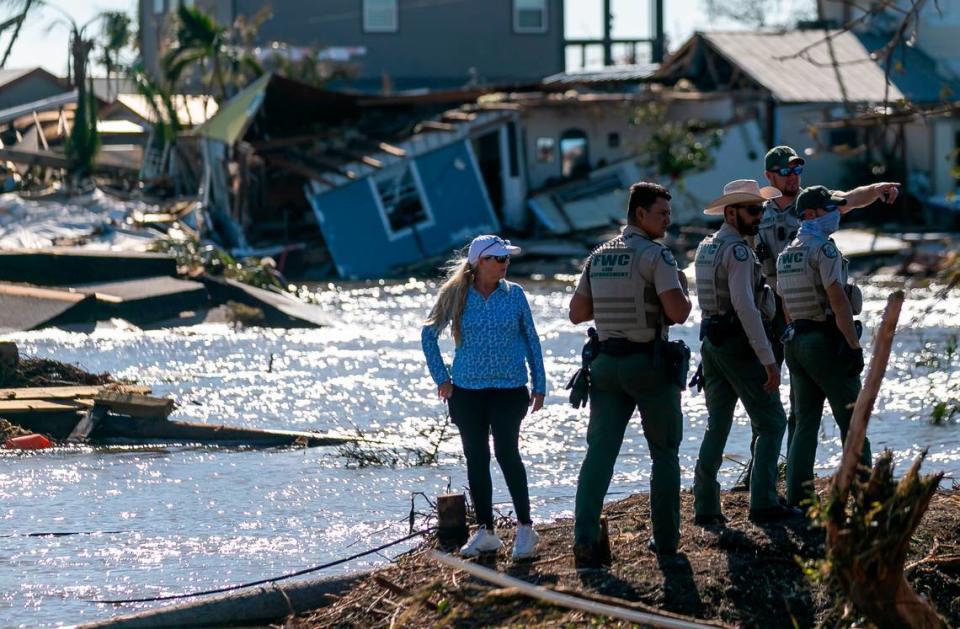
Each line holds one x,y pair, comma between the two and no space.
134,404
87,424
65,392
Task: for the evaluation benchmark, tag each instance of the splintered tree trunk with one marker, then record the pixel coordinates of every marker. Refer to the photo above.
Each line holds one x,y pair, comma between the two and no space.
866,545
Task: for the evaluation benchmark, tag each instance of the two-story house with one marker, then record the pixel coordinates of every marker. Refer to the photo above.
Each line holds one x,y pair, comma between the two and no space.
407,44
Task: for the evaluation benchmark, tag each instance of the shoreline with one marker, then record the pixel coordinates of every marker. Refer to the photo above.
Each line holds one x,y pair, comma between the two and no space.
740,574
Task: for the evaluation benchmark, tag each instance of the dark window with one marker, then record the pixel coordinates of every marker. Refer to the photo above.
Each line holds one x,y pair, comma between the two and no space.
613,140
530,16
574,155
380,16
546,150
843,137
401,201
512,149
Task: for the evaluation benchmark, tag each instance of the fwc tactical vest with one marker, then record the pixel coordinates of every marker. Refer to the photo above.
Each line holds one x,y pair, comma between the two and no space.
713,284
777,230
625,302
798,276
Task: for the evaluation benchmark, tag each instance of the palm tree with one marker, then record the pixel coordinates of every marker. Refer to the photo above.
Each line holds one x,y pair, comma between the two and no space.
20,9
200,41
115,30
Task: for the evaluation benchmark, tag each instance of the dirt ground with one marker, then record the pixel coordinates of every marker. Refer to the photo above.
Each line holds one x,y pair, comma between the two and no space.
742,574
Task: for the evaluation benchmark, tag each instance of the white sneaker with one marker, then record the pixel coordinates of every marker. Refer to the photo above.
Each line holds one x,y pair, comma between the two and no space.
483,541
525,543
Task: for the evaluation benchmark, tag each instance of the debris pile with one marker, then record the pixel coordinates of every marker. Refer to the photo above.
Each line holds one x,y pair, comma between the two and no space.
741,574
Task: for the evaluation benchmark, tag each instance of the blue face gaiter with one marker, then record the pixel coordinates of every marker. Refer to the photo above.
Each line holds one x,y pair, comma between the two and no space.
823,226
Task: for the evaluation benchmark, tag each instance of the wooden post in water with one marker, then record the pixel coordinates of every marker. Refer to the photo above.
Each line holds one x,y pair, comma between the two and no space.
452,519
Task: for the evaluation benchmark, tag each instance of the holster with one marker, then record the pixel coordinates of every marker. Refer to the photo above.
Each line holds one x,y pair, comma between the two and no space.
676,360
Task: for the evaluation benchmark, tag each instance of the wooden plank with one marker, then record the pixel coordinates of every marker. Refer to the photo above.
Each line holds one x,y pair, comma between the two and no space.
63,393
392,150
37,406
135,405
68,295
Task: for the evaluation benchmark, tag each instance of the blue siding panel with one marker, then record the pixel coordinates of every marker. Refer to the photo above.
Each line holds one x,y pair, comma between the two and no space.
353,230
457,198
452,192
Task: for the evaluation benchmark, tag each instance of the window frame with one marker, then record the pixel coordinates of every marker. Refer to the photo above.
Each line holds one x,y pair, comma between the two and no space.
374,29
526,30
404,232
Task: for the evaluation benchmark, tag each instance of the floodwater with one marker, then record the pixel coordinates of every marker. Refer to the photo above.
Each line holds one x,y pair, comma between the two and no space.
177,519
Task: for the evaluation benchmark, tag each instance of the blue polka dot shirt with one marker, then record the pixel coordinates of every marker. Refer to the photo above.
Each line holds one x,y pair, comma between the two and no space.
498,342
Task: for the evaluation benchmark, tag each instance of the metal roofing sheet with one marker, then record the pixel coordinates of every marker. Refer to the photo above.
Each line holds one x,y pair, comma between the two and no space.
812,77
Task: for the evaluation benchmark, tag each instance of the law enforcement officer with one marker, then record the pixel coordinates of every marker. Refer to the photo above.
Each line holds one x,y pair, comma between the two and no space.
632,289
824,354
779,226
737,357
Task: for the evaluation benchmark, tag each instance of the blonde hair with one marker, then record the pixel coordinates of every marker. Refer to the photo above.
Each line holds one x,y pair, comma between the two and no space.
452,297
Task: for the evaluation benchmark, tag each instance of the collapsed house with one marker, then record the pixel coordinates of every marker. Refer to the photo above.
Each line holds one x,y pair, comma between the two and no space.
337,184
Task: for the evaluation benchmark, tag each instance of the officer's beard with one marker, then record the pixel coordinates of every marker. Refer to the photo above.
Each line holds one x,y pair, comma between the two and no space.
744,228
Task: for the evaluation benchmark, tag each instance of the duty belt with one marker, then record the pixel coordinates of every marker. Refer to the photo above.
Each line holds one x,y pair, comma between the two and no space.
625,347
803,326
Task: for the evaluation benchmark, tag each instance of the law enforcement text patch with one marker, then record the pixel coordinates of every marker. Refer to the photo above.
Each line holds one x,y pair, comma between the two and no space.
667,256
830,250
740,252
609,264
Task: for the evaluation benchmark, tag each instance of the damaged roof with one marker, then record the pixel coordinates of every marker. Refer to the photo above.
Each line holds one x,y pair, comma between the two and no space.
800,66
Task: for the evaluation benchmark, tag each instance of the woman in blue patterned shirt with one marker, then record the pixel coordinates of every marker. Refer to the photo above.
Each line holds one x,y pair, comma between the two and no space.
495,340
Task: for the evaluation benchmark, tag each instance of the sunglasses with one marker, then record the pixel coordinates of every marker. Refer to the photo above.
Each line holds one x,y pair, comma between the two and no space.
752,210
500,259
787,170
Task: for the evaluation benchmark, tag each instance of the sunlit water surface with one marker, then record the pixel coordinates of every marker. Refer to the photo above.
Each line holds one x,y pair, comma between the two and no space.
181,519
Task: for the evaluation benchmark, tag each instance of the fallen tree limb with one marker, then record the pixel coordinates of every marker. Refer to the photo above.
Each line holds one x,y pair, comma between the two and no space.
868,535
659,619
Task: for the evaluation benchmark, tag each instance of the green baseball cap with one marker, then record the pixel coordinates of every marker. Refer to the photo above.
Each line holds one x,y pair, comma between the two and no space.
781,157
817,197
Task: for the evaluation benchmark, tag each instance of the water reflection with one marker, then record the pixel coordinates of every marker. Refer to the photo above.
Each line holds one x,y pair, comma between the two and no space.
198,518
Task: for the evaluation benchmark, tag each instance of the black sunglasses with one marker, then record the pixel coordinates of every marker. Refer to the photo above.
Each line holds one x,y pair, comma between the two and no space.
786,170
500,259
752,210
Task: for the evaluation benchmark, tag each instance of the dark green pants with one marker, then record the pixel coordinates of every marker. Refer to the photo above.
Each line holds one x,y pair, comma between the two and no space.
732,372
618,386
816,375
779,324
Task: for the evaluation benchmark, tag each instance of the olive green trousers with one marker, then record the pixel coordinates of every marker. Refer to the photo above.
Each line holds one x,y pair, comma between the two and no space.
732,372
620,385
816,375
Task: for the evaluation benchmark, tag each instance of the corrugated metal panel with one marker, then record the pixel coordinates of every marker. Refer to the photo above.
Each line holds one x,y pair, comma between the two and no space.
612,74
812,77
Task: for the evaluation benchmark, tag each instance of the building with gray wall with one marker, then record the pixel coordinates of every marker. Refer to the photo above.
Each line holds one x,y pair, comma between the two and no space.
407,44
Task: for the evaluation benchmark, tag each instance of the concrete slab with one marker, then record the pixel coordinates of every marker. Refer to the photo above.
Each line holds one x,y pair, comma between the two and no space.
146,300
30,308
280,310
